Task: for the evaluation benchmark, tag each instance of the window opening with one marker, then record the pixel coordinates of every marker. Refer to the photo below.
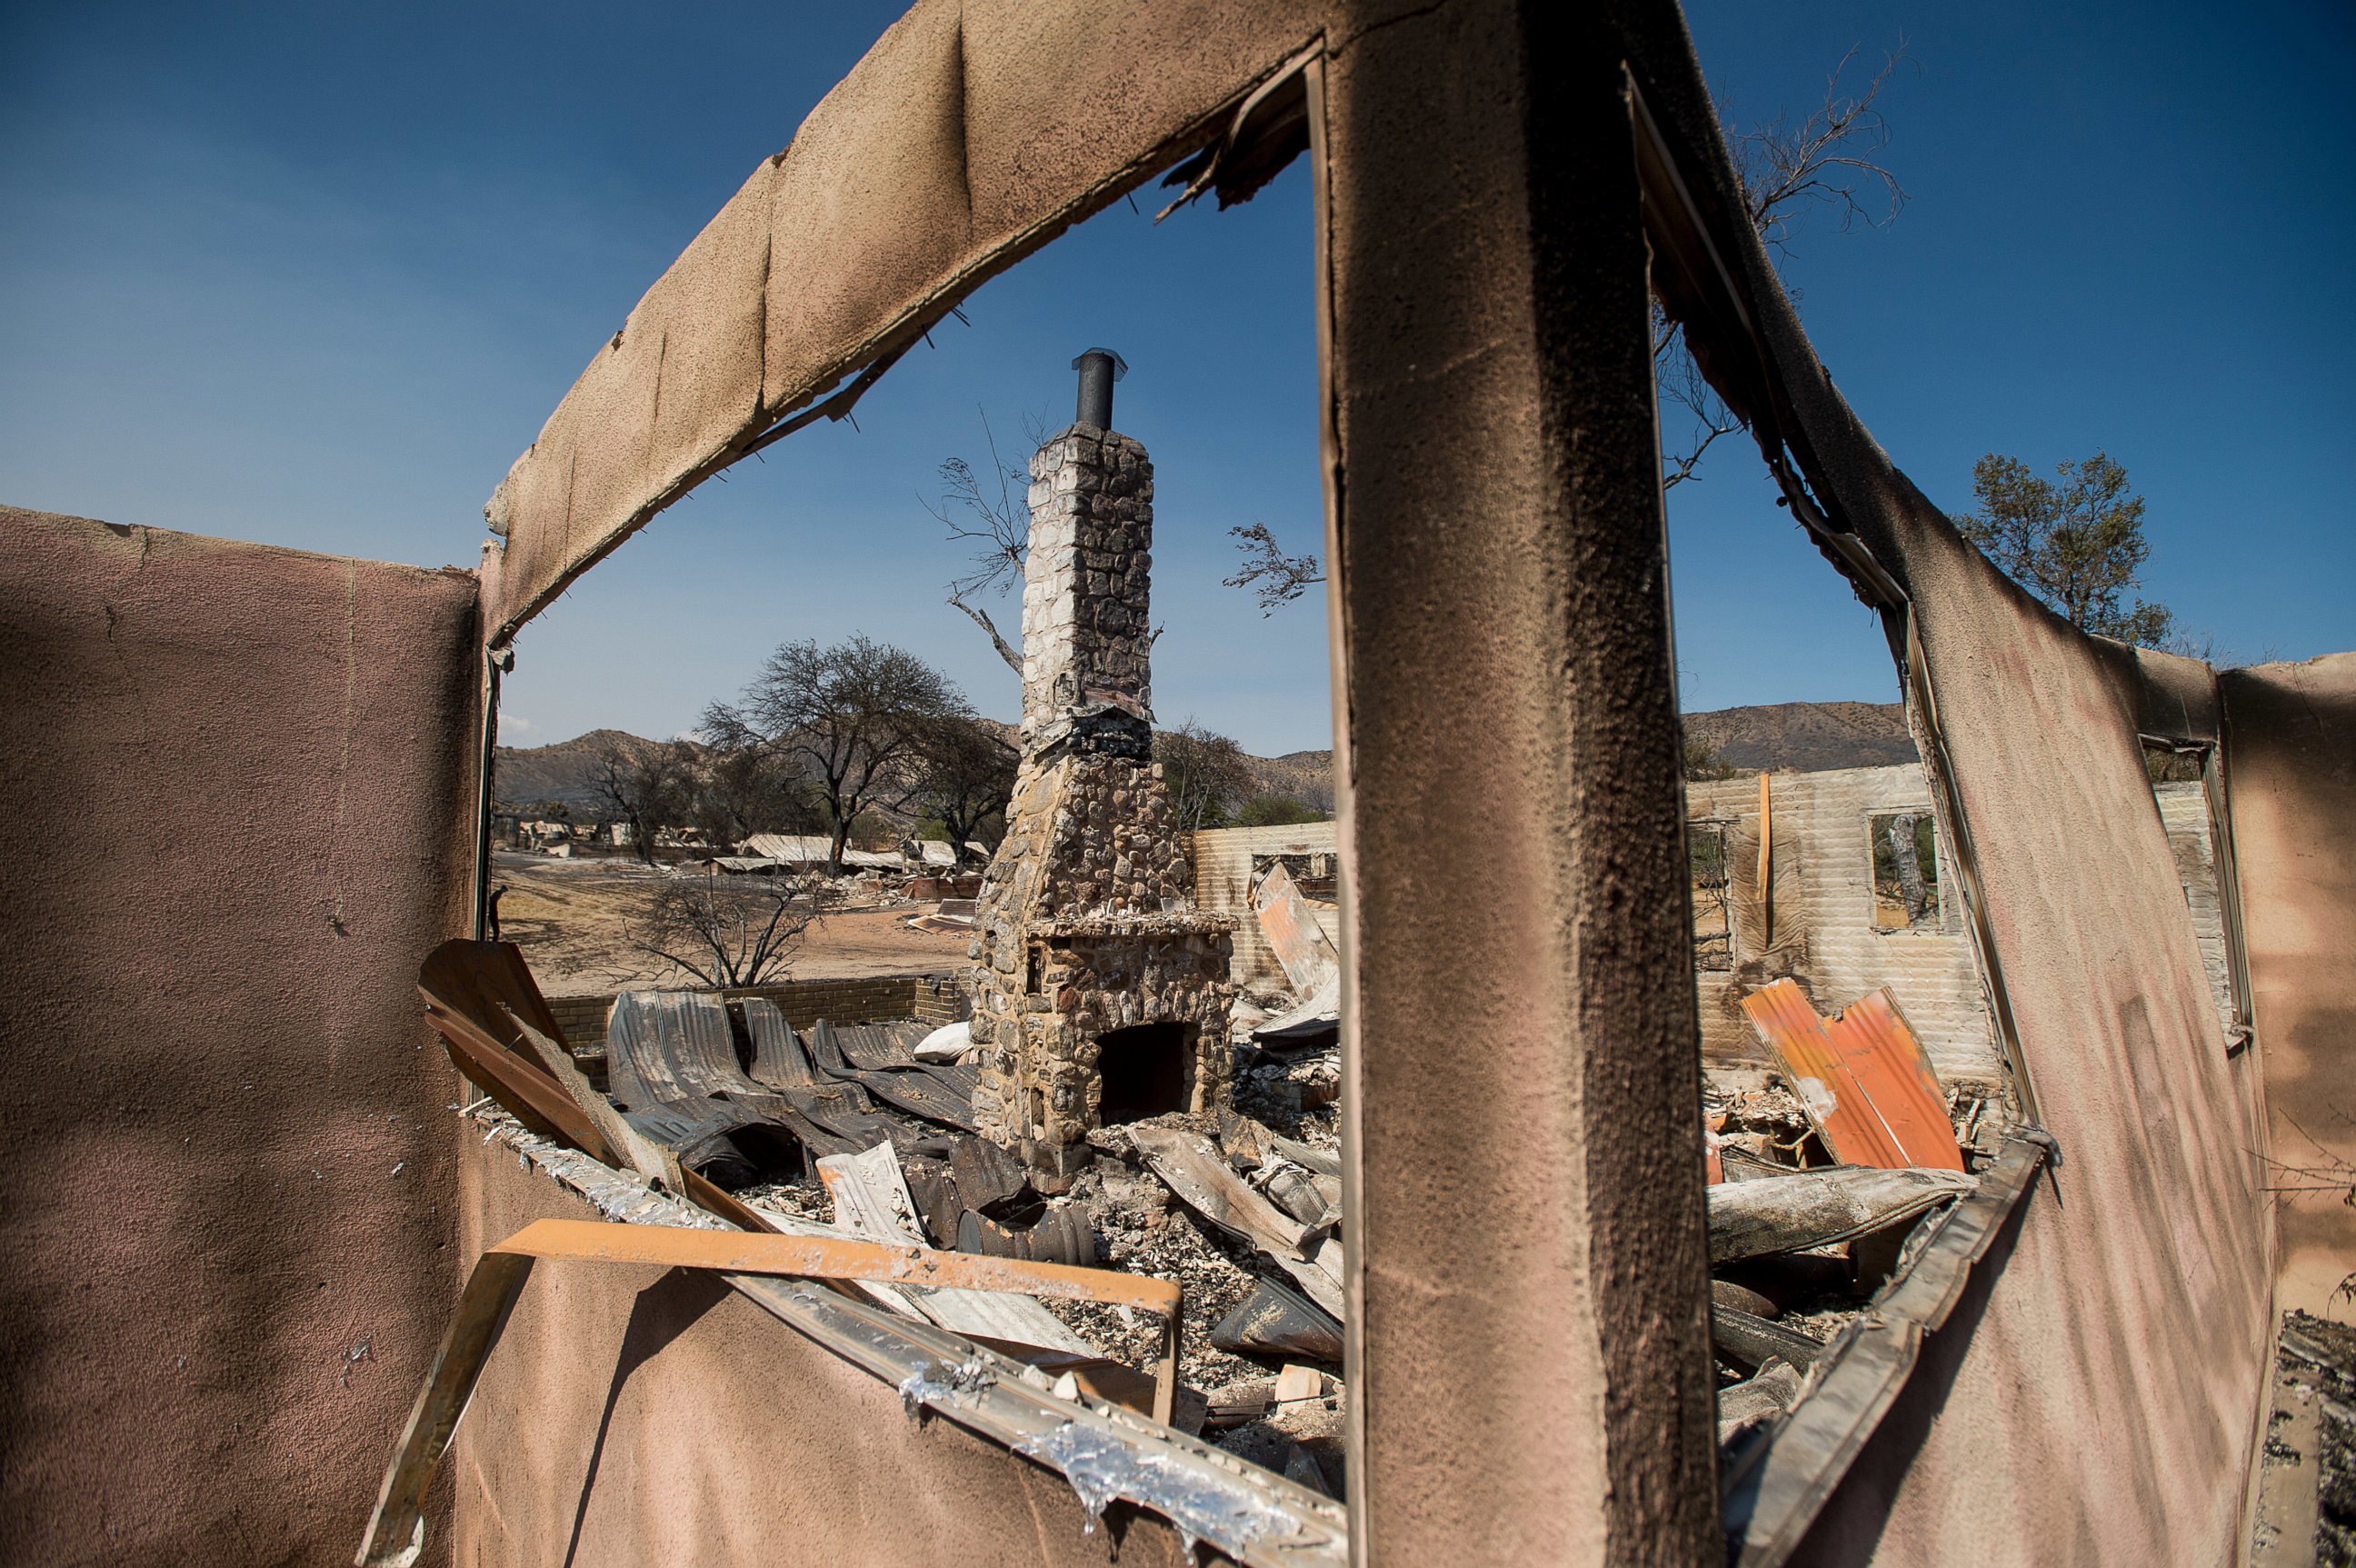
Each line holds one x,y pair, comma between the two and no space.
2188,786
1316,875
710,782
1905,871
1713,933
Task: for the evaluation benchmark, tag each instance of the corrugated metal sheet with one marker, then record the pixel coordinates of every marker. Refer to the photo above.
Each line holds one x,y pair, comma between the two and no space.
1293,932
799,849
810,849
1863,1077
1223,868
1884,1056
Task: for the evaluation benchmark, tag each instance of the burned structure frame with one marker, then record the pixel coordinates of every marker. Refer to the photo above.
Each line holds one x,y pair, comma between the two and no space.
1497,189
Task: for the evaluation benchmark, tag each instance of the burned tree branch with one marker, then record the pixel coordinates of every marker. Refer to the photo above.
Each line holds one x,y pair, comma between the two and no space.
981,618
1000,526
1785,170
1279,579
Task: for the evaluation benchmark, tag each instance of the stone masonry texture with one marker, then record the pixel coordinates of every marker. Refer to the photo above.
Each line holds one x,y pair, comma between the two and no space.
1085,922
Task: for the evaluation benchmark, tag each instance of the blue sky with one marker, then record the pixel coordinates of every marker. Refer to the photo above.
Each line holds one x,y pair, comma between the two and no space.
315,274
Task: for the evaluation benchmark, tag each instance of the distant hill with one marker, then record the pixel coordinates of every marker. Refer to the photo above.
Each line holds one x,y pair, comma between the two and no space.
528,776
1806,736
1304,776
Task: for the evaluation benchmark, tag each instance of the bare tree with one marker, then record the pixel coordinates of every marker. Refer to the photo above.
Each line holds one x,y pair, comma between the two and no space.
965,778
1824,162
852,718
648,788
741,792
1205,774
728,931
991,512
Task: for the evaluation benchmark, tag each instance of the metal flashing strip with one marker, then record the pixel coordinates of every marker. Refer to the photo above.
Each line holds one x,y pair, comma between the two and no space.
1940,767
1774,1492
1252,1514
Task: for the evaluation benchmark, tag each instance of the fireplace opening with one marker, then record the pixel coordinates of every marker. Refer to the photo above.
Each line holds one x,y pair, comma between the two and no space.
1143,1070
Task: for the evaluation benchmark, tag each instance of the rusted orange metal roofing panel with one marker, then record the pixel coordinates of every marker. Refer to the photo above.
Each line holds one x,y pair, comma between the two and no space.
1862,1078
1888,1060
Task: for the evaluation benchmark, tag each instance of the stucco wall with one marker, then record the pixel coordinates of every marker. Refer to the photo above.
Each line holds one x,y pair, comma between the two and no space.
236,780
635,1416
2098,1402
2290,757
1823,892
1529,1351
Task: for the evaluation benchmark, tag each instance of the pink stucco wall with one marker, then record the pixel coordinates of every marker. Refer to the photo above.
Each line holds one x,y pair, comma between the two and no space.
237,789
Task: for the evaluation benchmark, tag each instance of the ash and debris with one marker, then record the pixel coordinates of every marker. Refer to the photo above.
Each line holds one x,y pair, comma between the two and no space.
1291,1093
1141,1229
804,1197
2312,1432
1767,1122
1820,1292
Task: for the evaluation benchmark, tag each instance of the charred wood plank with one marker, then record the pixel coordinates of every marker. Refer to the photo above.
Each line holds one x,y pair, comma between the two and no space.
1751,1342
1815,1209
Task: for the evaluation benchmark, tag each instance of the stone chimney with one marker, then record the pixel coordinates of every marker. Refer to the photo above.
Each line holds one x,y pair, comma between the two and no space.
1100,991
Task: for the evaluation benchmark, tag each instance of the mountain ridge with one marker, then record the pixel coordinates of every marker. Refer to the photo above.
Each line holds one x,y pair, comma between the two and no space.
1807,737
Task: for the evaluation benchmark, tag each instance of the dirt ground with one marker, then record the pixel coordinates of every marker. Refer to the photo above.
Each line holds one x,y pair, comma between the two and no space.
571,920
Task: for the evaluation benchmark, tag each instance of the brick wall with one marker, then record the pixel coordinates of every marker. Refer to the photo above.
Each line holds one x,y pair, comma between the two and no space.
939,999
935,998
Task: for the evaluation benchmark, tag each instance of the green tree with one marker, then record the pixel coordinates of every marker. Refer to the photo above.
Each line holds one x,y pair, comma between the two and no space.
2078,545
1703,760
1205,774
1276,811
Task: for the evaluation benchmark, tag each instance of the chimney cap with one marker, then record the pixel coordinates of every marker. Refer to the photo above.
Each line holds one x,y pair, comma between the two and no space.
1120,365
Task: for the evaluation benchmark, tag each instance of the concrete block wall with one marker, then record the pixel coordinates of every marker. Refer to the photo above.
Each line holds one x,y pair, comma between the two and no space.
1223,868
1820,821
934,998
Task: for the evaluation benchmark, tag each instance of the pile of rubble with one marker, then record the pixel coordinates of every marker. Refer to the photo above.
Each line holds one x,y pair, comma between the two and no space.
1243,1216
1827,1179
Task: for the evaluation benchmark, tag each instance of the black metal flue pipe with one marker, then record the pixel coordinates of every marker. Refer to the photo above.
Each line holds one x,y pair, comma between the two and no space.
1098,368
